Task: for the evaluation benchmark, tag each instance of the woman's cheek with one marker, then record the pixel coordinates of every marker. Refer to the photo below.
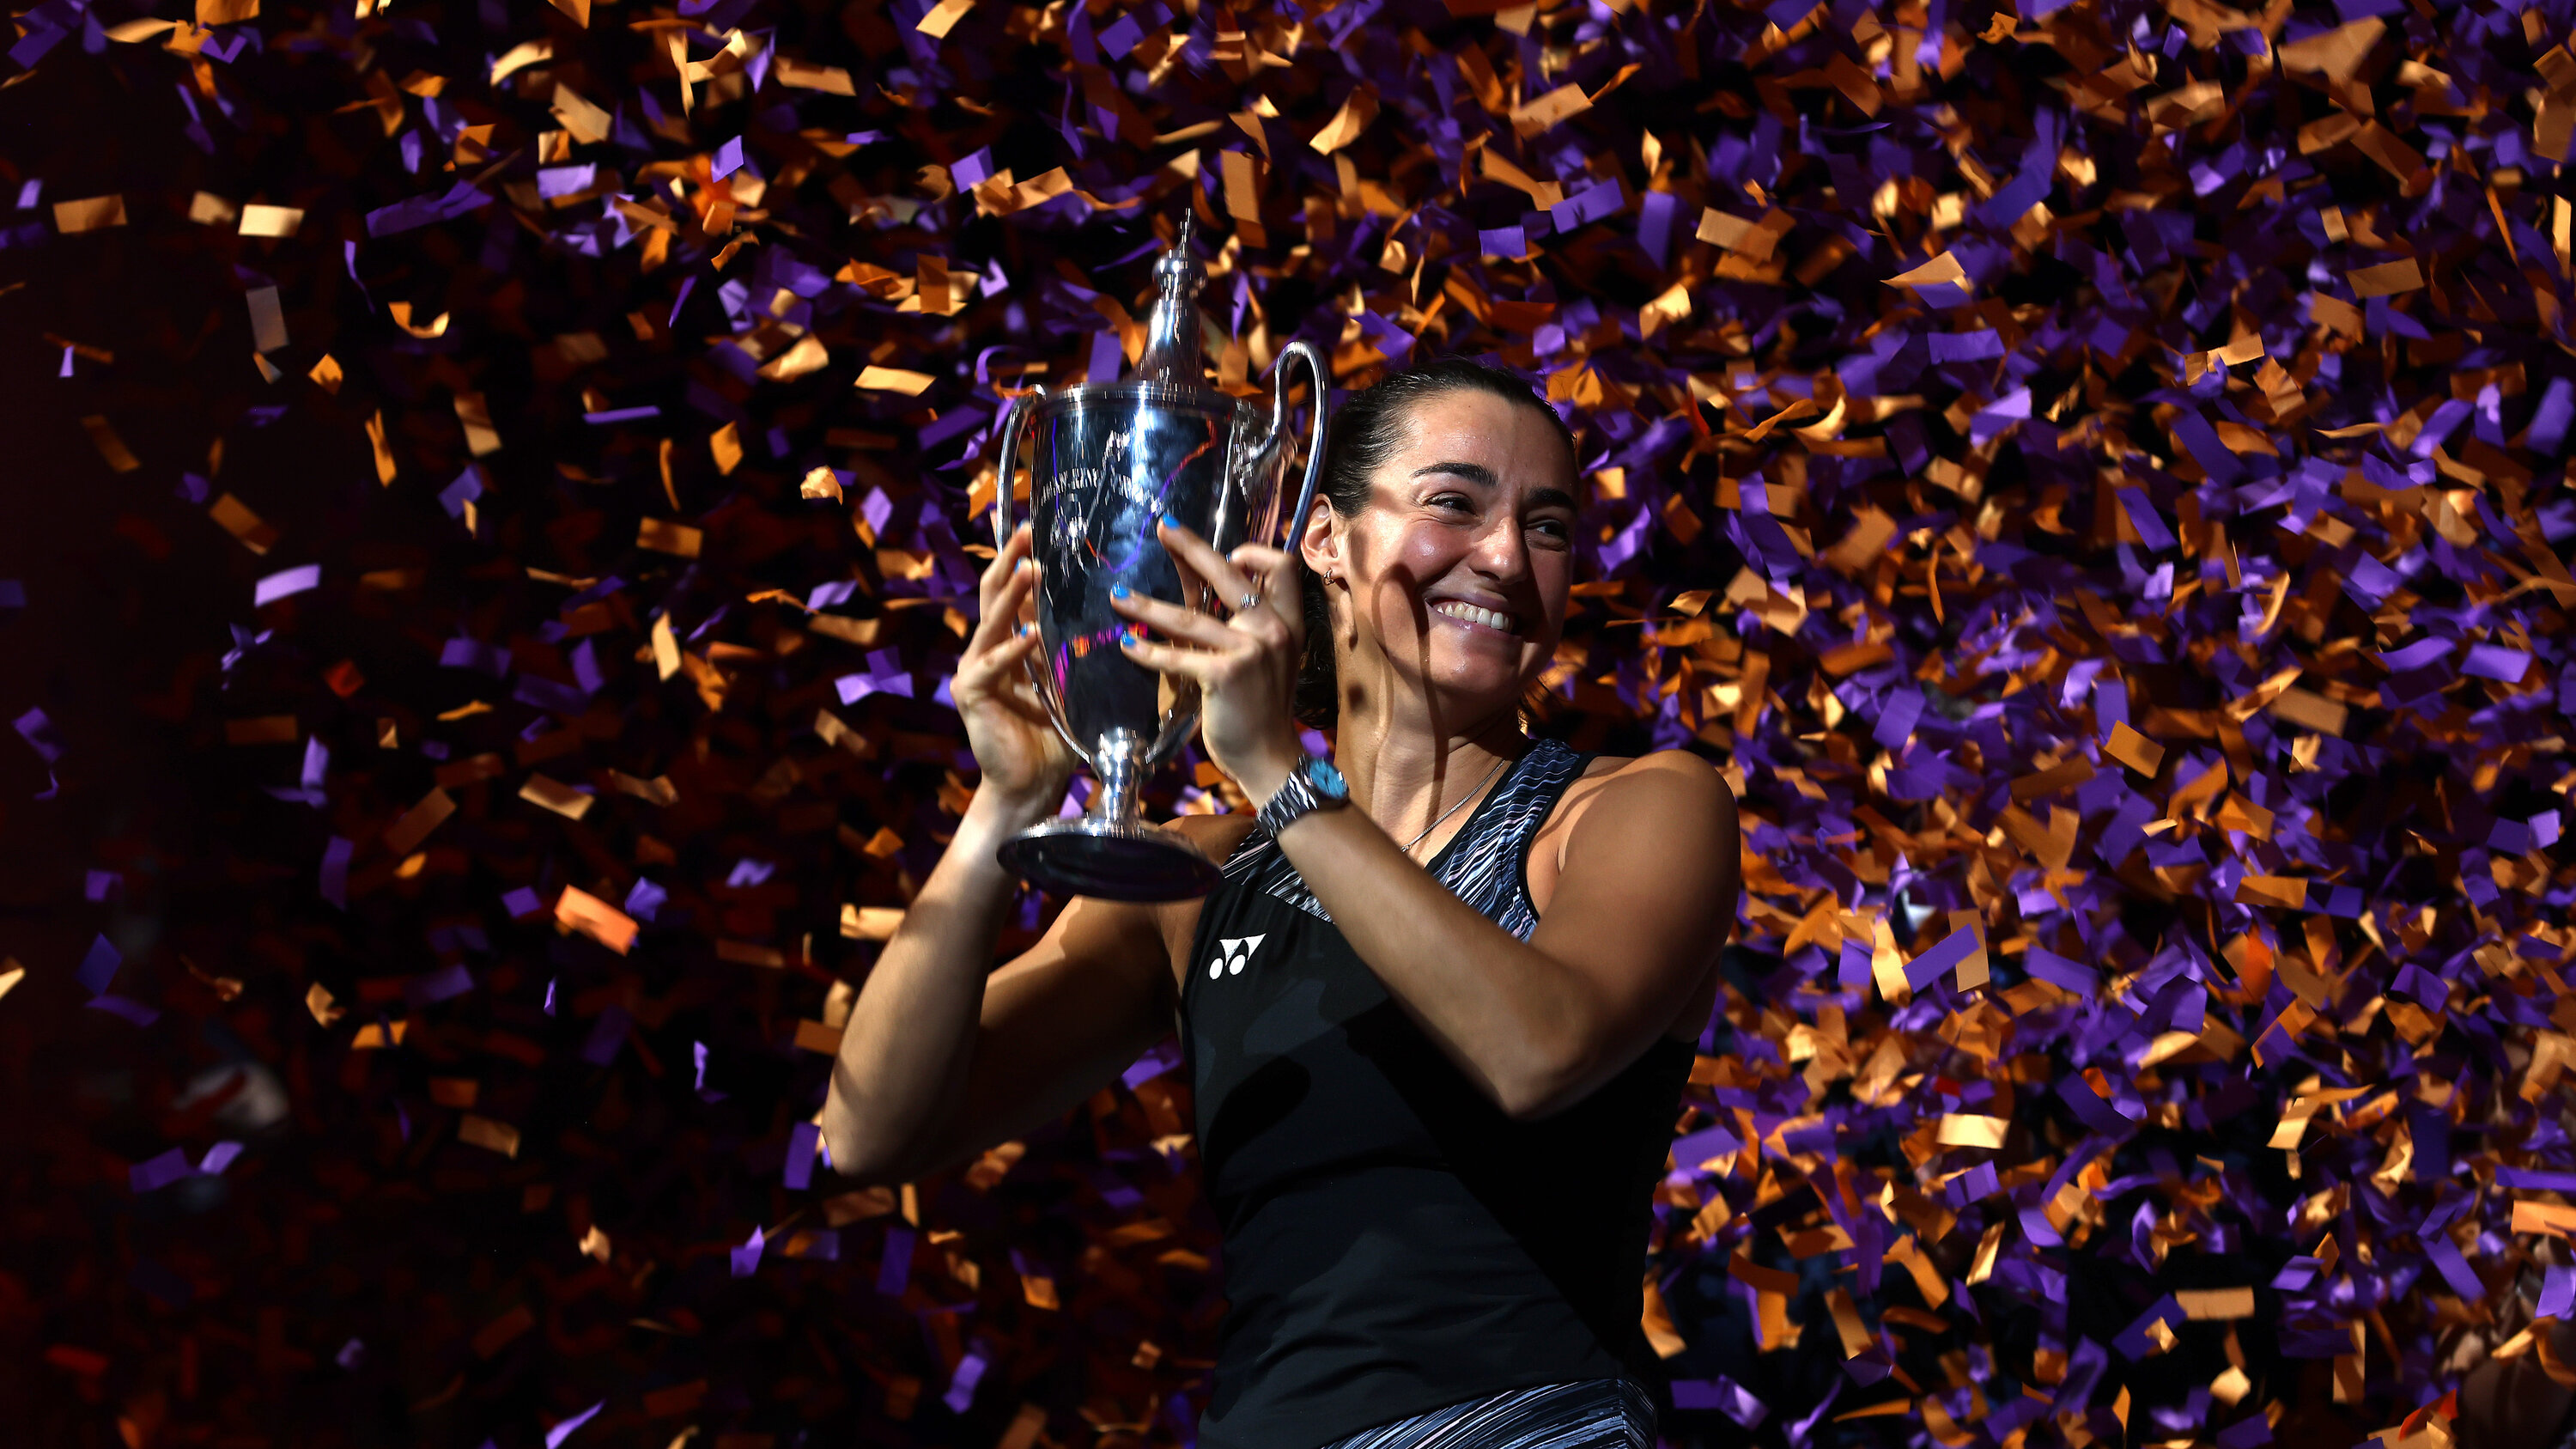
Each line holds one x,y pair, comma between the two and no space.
1426,554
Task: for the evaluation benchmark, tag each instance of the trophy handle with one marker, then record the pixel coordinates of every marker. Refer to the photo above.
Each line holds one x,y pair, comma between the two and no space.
1293,352
1012,422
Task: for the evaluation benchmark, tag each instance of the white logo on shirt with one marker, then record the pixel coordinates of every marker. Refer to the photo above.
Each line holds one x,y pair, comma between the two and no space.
1235,953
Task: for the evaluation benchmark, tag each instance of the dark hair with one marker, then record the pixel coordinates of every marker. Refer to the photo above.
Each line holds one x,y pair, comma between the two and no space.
1364,433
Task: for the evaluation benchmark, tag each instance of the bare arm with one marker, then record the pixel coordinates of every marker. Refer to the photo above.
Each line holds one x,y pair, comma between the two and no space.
1635,922
941,1061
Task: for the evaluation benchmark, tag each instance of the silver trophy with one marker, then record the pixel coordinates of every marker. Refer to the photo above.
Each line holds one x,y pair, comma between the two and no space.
1111,459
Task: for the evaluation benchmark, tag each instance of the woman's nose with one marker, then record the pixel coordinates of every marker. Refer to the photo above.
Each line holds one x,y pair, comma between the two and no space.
1501,550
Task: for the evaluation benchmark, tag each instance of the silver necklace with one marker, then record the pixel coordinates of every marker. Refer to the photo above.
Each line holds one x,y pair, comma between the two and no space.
1452,810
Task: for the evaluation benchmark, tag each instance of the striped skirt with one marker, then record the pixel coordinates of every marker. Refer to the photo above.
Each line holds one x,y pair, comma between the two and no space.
1610,1413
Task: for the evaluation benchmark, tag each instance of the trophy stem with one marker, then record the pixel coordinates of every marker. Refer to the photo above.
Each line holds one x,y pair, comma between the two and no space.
1109,851
1118,760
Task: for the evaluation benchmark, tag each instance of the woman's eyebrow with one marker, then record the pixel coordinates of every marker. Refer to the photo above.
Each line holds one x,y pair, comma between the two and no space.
1483,476
1472,472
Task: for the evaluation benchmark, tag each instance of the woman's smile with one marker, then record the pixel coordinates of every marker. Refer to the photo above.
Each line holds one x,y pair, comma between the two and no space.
1474,619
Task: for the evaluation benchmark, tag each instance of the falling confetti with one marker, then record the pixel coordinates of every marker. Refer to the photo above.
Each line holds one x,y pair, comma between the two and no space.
512,487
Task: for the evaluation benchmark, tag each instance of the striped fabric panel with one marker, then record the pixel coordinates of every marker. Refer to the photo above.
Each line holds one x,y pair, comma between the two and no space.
1608,1413
1482,868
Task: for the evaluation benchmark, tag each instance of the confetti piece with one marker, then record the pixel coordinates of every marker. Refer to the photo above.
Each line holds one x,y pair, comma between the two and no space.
485,1133
665,536
406,833
558,797
894,379
597,919
832,78
2387,279
102,435
1755,238
2216,1303
2134,750
520,56
2334,53
382,450
1971,1131
93,213
943,17
285,583
1943,268
273,221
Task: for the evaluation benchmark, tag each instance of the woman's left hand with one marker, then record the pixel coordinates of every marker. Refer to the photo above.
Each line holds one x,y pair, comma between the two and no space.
1246,665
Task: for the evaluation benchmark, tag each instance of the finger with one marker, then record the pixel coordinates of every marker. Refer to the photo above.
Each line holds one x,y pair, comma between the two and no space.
984,664
1196,664
1260,558
1001,605
1018,655
1227,580
1175,621
1013,548
1277,571
1006,683
1005,562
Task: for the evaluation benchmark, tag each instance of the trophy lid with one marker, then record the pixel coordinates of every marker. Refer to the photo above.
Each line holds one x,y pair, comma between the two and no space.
1172,355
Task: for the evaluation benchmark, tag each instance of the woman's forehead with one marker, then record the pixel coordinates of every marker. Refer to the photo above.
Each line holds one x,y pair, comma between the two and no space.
1509,440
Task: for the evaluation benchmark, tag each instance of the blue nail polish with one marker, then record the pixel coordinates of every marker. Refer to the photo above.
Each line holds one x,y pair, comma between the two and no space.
1118,591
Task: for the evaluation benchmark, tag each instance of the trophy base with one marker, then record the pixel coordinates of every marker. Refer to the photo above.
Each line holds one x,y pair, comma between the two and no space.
1084,856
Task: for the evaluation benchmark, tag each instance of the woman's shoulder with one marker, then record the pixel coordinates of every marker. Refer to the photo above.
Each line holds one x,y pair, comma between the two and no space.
1661,790
1659,769
1671,796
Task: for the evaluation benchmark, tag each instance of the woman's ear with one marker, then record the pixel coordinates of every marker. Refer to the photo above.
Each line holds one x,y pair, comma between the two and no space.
1319,542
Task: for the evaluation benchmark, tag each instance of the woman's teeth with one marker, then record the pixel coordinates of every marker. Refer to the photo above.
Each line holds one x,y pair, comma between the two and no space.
1490,618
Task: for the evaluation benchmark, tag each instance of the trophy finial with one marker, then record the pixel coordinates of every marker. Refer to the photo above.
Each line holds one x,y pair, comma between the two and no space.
1172,329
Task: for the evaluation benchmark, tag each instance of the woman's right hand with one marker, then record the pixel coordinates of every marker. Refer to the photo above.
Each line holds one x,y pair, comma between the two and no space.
1024,757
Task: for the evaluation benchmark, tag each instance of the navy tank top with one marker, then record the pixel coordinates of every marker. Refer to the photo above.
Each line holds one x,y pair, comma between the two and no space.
1393,1242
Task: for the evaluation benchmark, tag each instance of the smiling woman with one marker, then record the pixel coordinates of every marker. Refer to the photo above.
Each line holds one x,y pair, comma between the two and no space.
1439,1008
1402,414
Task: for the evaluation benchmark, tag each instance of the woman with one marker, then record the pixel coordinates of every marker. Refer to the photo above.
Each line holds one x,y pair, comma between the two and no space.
1436,1031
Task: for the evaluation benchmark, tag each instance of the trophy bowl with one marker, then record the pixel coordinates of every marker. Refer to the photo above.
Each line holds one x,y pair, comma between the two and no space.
1109,461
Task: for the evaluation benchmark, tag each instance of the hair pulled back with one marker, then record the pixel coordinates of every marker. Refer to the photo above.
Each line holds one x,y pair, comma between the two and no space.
1366,430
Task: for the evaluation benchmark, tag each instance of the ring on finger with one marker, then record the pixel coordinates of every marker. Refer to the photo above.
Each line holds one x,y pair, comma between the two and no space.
1250,600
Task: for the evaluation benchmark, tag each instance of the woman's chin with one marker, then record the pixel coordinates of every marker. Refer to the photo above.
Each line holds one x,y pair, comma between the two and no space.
1476,673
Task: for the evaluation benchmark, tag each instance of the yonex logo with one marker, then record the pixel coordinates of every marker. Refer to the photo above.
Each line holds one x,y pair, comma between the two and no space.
1234,953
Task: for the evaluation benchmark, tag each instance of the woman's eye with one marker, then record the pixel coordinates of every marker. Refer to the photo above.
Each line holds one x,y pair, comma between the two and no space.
1451,500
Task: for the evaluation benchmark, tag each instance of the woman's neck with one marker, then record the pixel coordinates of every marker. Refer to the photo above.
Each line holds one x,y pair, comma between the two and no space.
1404,768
